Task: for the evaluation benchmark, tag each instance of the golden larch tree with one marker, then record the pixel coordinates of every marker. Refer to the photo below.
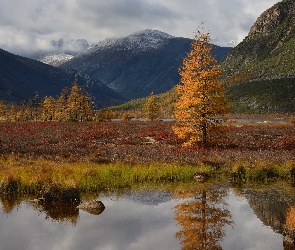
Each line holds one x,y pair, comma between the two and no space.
201,93
79,105
48,108
151,108
3,111
15,113
60,105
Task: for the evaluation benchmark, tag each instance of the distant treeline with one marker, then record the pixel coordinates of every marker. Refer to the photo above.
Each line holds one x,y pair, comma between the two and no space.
73,104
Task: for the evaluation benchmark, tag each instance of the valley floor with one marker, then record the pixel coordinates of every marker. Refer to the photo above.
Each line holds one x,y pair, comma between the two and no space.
94,155
144,142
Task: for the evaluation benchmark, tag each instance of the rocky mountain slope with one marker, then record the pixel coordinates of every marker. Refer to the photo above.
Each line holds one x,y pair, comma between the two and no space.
268,50
260,71
21,78
137,65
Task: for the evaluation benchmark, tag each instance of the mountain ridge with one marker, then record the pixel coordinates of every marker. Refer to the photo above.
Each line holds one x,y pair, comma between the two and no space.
138,64
260,71
21,78
268,48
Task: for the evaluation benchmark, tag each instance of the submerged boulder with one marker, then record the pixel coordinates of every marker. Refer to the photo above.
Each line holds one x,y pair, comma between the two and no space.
93,207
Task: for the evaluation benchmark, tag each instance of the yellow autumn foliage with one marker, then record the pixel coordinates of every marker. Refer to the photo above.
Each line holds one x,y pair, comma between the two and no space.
151,107
290,218
201,93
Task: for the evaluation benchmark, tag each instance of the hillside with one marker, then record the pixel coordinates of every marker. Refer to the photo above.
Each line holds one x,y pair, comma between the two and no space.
268,50
260,71
21,78
137,65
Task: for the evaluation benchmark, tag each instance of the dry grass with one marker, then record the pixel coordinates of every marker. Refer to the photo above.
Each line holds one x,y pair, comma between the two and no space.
97,155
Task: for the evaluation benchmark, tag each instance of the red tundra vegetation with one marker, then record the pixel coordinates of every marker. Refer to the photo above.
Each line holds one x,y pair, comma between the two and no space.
142,142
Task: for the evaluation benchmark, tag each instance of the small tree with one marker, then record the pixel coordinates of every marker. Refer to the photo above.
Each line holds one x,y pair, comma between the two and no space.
151,107
60,105
79,105
15,113
3,111
47,108
201,94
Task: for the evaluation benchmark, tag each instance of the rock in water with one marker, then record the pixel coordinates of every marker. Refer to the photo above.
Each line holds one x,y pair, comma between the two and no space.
93,207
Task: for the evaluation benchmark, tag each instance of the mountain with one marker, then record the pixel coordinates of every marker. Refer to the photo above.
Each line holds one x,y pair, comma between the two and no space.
21,78
59,51
268,50
55,59
260,71
137,65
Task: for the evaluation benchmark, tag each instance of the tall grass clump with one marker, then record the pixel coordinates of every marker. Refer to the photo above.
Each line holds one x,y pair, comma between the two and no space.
40,175
262,171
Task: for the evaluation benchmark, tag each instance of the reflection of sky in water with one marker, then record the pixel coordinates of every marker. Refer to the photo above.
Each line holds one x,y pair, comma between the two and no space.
123,225
127,224
248,232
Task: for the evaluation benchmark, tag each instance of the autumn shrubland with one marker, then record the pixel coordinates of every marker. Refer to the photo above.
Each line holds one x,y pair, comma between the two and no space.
93,155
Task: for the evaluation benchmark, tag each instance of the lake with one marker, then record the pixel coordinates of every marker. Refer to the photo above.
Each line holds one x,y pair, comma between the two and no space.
196,216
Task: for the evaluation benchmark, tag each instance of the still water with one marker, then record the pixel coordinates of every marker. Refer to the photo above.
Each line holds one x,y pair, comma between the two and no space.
199,216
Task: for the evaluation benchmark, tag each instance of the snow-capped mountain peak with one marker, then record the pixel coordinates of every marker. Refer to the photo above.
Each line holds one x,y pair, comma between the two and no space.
142,40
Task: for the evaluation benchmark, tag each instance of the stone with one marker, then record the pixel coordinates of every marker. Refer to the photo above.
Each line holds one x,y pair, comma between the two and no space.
93,207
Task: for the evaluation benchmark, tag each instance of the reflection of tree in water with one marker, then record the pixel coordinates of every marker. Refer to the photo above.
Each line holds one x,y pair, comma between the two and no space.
9,202
289,230
202,216
59,212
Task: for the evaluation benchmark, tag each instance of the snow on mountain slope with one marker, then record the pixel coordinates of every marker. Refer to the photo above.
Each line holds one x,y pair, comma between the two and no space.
58,52
142,40
138,64
56,59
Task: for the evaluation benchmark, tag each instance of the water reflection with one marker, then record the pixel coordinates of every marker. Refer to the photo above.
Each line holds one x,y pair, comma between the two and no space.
289,230
270,205
202,217
59,212
198,216
10,202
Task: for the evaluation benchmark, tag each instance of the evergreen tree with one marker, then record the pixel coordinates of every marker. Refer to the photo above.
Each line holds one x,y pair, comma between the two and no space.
201,93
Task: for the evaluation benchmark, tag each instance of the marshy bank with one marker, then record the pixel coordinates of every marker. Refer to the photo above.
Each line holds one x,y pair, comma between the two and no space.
29,176
95,156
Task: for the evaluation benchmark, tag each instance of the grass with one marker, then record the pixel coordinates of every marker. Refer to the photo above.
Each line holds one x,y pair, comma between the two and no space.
99,156
33,177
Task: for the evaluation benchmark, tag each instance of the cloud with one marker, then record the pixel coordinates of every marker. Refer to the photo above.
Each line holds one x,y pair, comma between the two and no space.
34,23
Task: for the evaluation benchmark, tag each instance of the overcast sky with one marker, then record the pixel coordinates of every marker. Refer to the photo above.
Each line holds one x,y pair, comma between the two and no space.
27,24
